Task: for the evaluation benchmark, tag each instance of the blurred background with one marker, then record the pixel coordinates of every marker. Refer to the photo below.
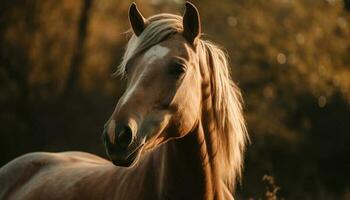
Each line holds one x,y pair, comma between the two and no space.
291,58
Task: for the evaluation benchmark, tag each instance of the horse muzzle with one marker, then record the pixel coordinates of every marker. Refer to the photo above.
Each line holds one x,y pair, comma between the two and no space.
124,149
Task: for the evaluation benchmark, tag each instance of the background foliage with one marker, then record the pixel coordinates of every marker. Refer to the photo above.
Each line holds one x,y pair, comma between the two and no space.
291,59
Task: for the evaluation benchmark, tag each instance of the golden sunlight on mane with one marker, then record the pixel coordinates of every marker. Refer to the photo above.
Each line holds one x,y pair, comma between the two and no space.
229,120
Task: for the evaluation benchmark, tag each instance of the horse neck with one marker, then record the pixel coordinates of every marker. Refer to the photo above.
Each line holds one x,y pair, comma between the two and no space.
187,168
189,164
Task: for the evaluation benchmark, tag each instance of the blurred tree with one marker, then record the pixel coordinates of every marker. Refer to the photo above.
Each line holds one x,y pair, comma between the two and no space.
347,4
77,58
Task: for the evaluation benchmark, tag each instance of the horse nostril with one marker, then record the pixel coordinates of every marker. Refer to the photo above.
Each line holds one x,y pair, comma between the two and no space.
125,137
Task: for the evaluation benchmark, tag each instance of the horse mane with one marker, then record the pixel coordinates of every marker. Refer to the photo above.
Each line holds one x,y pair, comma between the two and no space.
228,116
226,96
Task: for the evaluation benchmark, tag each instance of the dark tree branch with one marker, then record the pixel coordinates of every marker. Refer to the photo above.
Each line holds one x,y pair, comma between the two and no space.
347,5
78,54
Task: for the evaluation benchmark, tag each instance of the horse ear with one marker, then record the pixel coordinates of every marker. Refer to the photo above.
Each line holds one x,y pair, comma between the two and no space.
191,23
137,21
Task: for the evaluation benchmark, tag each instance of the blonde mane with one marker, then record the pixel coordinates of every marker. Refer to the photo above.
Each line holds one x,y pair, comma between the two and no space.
226,96
228,116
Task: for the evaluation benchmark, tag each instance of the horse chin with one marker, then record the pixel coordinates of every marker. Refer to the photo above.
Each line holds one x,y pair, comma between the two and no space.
130,161
124,163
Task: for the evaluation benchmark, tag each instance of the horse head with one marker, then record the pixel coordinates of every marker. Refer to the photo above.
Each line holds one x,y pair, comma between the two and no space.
163,94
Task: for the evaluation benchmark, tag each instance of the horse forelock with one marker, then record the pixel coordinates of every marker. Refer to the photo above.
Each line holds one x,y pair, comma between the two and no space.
159,27
226,96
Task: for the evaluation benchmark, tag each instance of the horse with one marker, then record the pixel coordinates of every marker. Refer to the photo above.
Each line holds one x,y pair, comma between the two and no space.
177,132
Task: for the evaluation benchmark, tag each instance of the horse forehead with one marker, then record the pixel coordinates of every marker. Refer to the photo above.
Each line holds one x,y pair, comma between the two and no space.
155,53
174,47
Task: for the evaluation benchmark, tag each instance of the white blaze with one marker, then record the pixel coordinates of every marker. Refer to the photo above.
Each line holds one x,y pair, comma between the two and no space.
155,53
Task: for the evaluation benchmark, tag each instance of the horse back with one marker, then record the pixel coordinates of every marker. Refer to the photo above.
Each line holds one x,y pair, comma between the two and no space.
17,175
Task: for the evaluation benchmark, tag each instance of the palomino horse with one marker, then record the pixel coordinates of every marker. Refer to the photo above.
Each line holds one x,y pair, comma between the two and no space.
176,133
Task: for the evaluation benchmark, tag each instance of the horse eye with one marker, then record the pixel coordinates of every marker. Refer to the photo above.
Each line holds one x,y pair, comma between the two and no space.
128,66
177,69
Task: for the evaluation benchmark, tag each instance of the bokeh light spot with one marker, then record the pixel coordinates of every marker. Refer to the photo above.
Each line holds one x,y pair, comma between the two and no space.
281,58
322,101
232,21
